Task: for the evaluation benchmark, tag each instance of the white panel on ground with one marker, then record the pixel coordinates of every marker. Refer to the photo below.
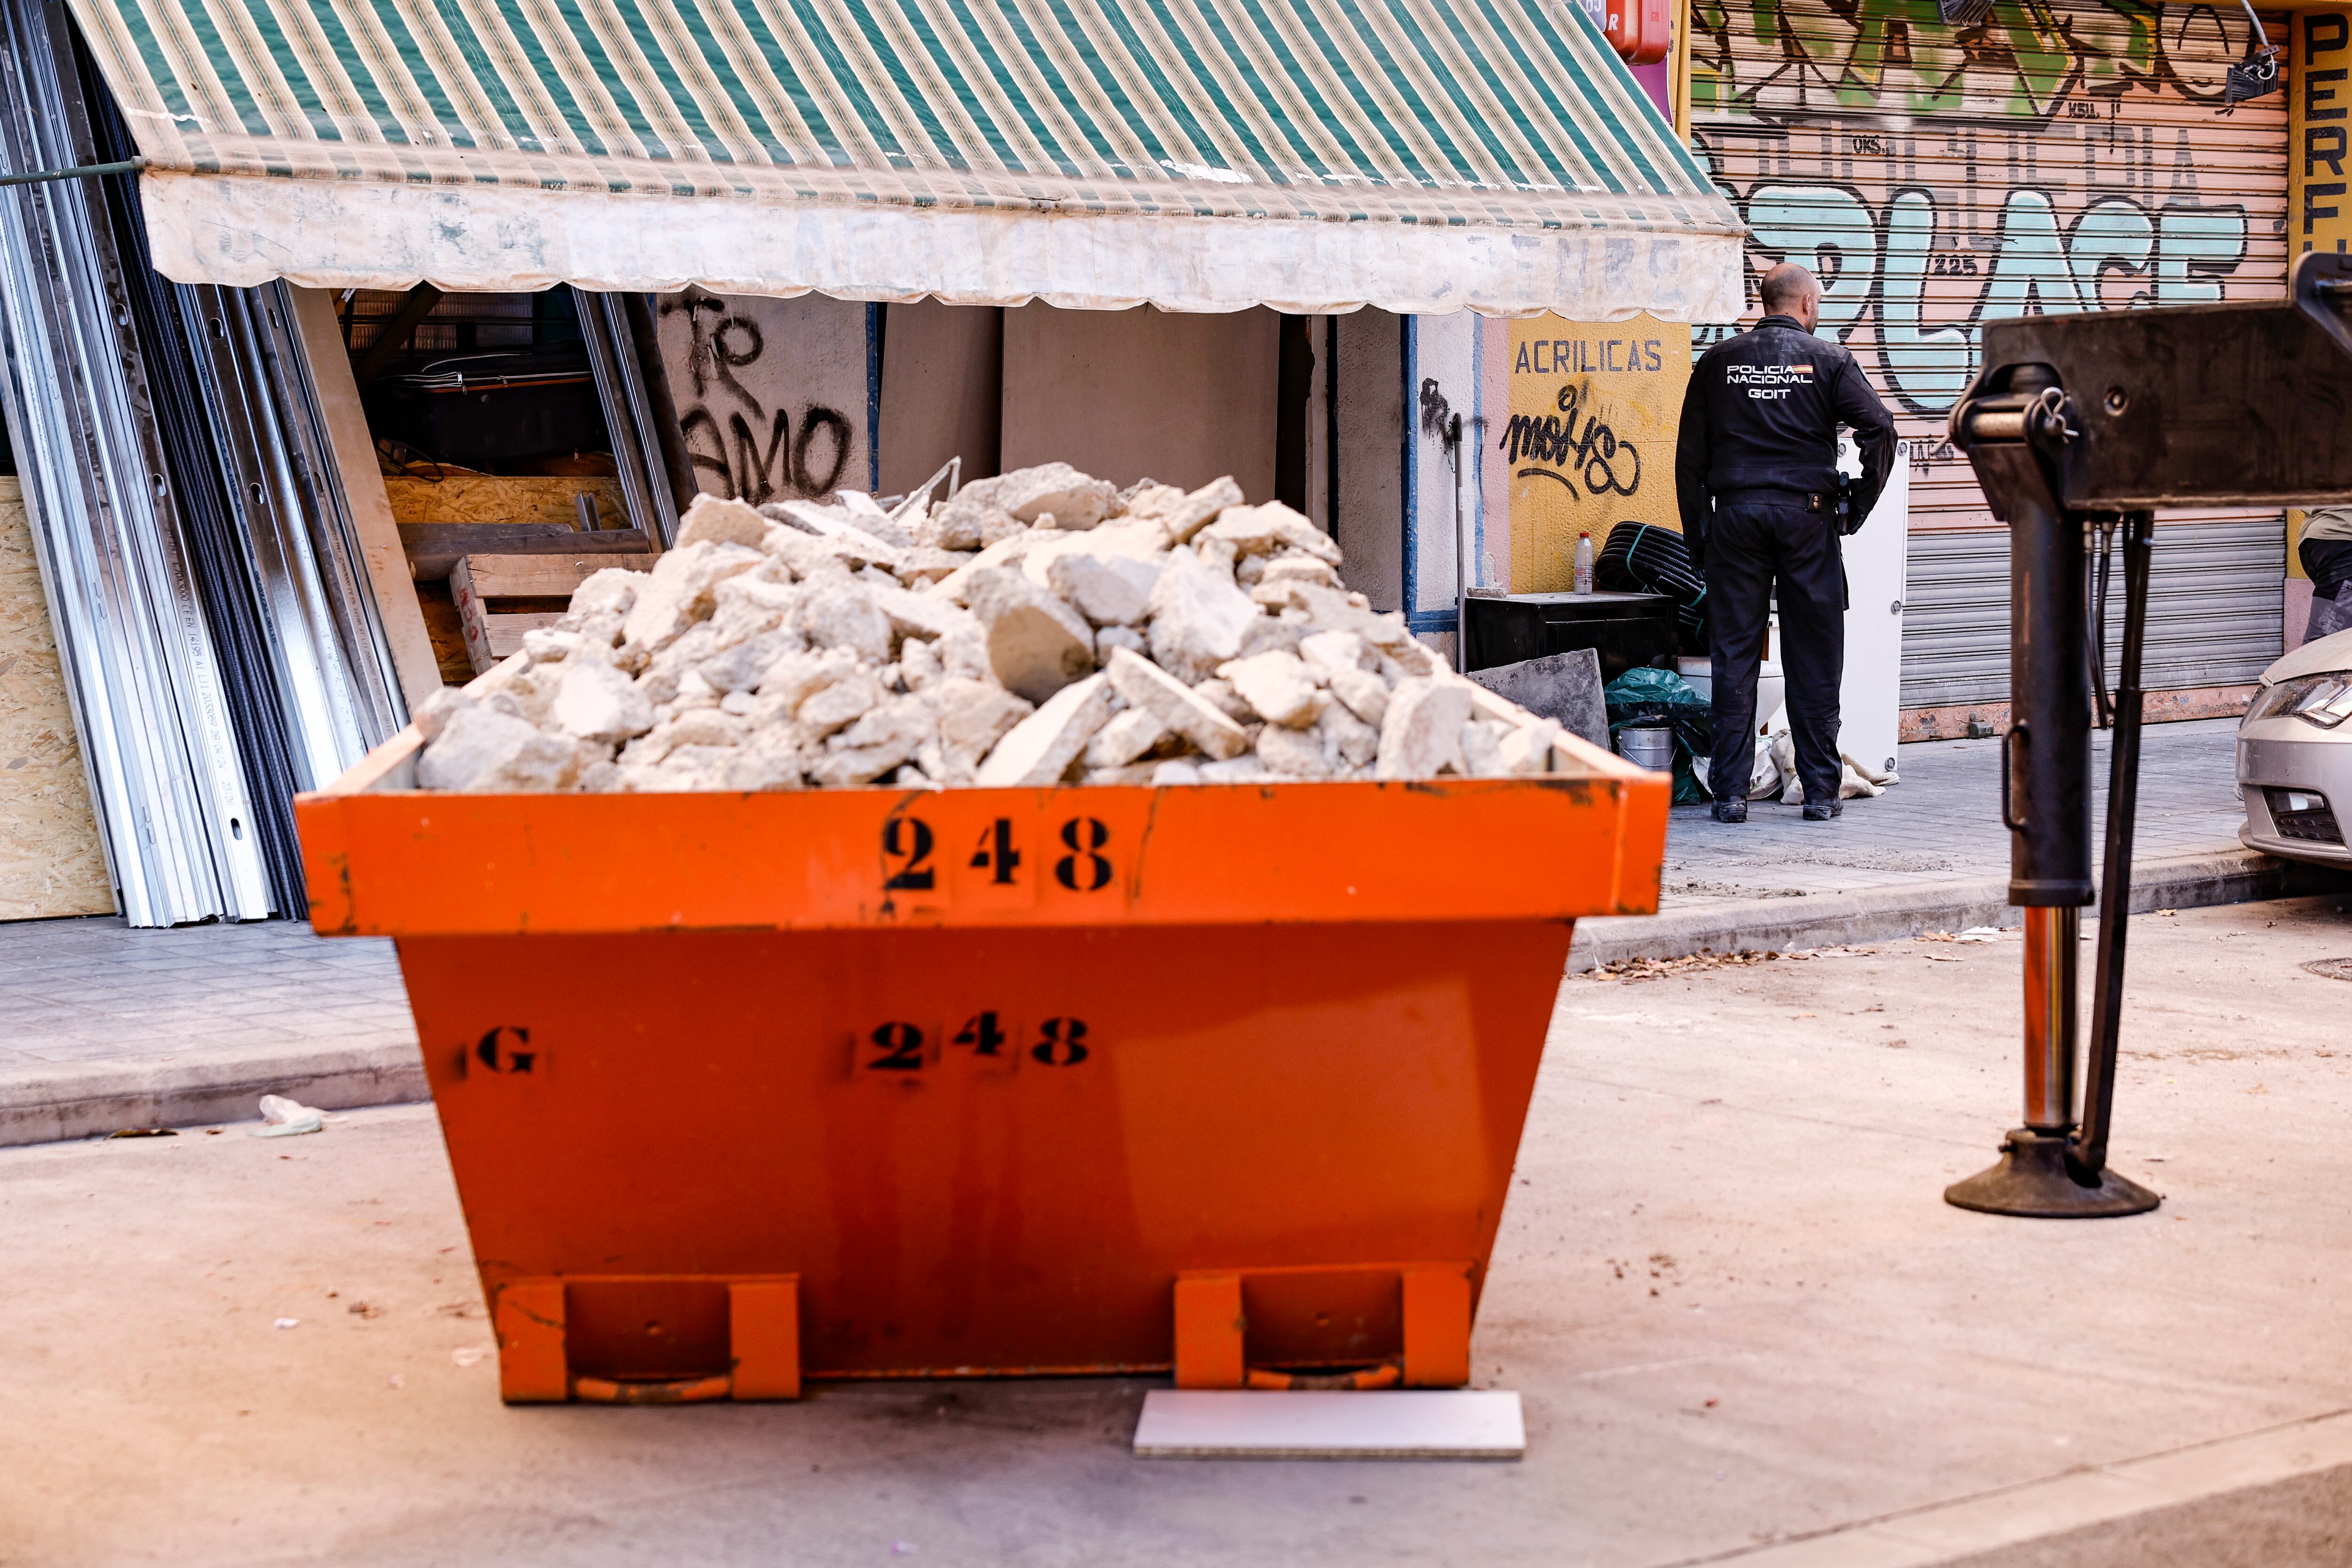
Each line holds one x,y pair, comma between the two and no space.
1387,1424
1876,563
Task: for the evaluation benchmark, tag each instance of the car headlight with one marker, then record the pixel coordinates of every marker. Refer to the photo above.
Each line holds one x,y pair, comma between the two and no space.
2322,699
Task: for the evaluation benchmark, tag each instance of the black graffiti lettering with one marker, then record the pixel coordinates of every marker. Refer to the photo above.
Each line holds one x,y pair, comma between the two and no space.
803,474
706,447
755,477
1606,464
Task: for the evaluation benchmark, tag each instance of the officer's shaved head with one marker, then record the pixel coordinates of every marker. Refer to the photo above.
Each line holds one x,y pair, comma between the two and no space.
1787,289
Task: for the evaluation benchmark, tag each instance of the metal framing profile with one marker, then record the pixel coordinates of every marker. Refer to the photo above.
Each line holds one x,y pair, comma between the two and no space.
148,696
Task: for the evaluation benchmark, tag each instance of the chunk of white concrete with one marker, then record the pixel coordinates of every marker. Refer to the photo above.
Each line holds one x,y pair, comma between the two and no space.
1481,743
677,592
1128,637
1294,753
1126,738
1077,500
1108,590
1039,748
1150,689
843,703
597,702
721,522
610,591
880,741
1036,643
1198,618
1422,729
1263,530
1352,740
973,715
1361,691
480,750
843,614
1185,515
1280,688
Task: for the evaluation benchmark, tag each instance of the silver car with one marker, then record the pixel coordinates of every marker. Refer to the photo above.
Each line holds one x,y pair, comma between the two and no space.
2295,755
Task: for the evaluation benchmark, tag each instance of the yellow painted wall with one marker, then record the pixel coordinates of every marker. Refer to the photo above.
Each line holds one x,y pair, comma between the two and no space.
50,859
2319,157
1591,438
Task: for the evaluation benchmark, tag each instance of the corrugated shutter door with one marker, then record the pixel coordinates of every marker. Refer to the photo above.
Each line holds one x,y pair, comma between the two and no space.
2213,610
2066,155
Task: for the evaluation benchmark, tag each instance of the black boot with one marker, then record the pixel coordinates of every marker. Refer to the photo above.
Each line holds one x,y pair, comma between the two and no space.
1731,811
1824,811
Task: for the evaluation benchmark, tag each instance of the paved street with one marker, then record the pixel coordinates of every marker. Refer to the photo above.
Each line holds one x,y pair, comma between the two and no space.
1746,1327
1943,821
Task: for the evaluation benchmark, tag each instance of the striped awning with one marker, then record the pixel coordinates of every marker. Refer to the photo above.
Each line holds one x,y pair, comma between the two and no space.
1419,155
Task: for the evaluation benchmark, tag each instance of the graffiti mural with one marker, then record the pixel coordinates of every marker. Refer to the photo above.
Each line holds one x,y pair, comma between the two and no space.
2056,158
771,393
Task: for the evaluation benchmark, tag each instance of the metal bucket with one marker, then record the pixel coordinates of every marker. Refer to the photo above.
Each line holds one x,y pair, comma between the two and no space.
1649,746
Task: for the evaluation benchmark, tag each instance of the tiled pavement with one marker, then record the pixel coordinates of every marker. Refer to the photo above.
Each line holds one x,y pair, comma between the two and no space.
1943,821
85,991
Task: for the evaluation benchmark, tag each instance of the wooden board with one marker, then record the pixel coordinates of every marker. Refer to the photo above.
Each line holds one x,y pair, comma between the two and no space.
363,492
433,547
479,583
51,859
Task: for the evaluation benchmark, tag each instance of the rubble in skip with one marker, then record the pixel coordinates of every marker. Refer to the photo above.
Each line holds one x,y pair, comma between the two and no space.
1037,628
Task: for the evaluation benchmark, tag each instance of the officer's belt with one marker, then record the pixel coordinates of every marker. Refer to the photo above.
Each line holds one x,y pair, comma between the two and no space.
1771,495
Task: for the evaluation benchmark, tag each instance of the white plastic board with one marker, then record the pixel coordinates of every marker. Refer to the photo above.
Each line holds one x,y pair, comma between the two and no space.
1877,560
1387,1424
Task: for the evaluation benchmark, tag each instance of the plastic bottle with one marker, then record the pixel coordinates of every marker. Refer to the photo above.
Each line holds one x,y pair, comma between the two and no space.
1584,563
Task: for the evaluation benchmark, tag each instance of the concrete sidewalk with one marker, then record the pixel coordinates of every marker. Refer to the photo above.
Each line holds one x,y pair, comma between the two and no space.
1931,854
104,1027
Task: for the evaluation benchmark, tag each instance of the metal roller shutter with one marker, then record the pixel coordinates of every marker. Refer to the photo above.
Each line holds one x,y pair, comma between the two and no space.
2065,155
2213,610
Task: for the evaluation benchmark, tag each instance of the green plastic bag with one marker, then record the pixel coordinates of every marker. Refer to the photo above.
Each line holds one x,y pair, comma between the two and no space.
1649,695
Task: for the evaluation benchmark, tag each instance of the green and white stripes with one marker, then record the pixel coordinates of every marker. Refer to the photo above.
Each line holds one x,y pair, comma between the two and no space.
1454,113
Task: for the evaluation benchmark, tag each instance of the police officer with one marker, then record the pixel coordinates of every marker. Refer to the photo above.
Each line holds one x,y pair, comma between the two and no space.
1756,473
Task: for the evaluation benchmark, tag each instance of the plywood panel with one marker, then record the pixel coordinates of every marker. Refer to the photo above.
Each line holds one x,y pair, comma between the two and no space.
943,390
50,859
1129,395
491,498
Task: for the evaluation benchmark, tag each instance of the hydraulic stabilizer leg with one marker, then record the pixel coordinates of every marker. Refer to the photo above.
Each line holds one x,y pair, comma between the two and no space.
2047,805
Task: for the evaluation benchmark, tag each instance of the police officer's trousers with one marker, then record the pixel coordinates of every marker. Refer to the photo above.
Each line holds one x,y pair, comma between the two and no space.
1752,546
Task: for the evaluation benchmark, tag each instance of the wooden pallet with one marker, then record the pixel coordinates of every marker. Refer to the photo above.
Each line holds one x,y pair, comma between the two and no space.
500,598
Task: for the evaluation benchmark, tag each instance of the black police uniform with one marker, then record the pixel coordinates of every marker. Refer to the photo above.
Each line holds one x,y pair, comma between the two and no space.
1756,476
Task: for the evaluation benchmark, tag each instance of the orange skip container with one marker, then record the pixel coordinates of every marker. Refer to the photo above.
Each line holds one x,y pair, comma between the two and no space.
740,1089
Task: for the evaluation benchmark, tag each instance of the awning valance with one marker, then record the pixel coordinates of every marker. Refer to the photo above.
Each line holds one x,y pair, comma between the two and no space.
1419,155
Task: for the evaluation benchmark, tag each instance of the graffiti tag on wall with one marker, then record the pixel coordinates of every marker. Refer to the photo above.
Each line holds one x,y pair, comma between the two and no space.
759,424
2055,159
1590,440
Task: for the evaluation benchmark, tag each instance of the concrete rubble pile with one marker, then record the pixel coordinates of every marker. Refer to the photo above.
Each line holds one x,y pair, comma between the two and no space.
1034,628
